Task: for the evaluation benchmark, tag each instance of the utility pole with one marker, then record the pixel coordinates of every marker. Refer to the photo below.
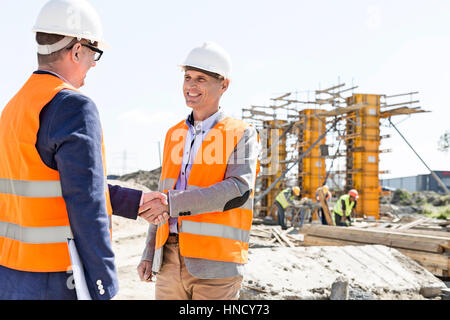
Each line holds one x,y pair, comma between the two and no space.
159,152
124,162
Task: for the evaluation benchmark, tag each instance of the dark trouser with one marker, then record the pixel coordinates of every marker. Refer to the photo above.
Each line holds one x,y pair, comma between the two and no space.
340,221
280,215
322,216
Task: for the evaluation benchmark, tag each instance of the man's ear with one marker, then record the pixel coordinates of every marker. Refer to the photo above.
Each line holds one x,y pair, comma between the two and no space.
225,84
75,52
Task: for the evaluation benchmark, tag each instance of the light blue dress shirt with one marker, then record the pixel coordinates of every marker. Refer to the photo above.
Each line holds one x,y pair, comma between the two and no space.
194,139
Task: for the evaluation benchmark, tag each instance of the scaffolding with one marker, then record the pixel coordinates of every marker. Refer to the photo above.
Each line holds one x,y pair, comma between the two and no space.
331,139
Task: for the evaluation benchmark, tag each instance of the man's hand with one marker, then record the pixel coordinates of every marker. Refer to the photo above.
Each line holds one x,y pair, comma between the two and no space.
155,209
144,270
154,195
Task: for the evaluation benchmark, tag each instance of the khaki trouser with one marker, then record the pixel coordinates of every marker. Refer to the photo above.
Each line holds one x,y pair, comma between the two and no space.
174,282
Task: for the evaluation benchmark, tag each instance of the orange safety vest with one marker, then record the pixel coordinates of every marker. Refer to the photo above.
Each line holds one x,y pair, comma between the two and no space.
219,236
34,224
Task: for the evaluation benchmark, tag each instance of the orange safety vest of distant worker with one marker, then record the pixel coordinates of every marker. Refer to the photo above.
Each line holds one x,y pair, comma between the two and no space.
34,223
218,236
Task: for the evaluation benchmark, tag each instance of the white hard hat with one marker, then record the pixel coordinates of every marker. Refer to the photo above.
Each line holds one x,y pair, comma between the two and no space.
210,57
70,18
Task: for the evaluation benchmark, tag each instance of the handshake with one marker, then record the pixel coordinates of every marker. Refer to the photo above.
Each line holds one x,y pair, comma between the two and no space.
154,208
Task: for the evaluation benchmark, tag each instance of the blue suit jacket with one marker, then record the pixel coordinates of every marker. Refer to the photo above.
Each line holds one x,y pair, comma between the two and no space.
69,140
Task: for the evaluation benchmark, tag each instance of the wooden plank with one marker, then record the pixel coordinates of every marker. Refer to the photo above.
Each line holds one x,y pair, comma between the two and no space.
437,264
282,236
311,240
443,234
288,230
278,238
427,259
390,239
325,208
411,224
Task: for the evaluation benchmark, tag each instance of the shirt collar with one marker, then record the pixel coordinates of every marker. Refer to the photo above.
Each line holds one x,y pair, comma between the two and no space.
52,73
204,125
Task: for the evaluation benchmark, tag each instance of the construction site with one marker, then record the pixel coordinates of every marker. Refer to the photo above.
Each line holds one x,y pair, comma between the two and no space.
391,250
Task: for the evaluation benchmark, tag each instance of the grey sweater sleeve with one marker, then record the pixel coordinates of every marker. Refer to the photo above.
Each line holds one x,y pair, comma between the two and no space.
150,243
230,193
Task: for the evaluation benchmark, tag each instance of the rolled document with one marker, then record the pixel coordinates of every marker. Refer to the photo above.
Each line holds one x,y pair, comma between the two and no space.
78,273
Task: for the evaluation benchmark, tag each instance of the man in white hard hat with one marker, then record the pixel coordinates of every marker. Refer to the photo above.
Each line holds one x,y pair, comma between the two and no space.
209,171
53,191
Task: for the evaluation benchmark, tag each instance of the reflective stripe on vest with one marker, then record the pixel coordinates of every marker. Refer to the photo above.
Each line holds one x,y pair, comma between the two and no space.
38,235
32,189
215,230
35,235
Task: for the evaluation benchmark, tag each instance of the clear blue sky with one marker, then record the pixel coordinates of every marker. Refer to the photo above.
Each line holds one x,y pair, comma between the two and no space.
385,47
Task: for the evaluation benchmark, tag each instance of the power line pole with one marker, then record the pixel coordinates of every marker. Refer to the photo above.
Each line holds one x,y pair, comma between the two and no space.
159,152
124,162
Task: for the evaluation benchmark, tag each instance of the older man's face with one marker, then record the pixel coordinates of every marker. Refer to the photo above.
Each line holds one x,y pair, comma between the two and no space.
82,63
201,90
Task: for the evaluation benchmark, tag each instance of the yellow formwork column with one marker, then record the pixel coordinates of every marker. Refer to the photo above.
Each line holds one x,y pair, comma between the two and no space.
312,167
276,165
363,145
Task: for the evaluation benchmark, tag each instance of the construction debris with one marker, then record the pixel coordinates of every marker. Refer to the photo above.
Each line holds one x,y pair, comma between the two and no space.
373,272
283,266
430,251
339,289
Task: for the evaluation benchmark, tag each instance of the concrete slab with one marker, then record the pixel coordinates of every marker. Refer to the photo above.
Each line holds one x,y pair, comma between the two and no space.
373,272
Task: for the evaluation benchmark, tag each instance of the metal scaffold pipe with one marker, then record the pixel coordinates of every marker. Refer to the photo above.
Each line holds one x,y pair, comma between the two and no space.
304,154
435,176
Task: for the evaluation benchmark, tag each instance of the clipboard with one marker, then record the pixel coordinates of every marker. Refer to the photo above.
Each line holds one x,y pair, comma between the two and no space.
81,287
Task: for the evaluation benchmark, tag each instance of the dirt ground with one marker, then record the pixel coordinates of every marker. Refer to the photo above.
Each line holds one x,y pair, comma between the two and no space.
374,272
128,245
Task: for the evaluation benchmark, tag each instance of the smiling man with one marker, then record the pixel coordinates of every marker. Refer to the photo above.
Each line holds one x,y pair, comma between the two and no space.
209,171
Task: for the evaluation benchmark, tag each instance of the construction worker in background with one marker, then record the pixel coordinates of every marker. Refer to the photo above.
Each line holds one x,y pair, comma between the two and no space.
327,193
344,208
53,191
209,170
283,200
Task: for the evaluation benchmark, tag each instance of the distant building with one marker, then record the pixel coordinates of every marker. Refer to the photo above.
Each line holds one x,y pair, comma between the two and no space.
422,182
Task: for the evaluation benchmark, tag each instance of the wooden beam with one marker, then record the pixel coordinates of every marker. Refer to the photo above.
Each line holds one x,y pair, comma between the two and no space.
325,208
388,238
427,259
411,224
435,263
282,236
433,233
277,237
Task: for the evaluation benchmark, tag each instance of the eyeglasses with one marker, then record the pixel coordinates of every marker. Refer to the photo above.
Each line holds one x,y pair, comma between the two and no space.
98,53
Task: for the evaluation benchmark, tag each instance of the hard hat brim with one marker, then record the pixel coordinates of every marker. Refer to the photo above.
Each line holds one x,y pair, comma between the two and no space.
101,43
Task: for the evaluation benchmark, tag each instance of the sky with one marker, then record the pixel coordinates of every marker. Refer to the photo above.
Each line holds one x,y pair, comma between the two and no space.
384,47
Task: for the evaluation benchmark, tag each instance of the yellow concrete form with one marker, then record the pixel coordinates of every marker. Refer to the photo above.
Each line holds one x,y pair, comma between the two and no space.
363,144
276,166
312,171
